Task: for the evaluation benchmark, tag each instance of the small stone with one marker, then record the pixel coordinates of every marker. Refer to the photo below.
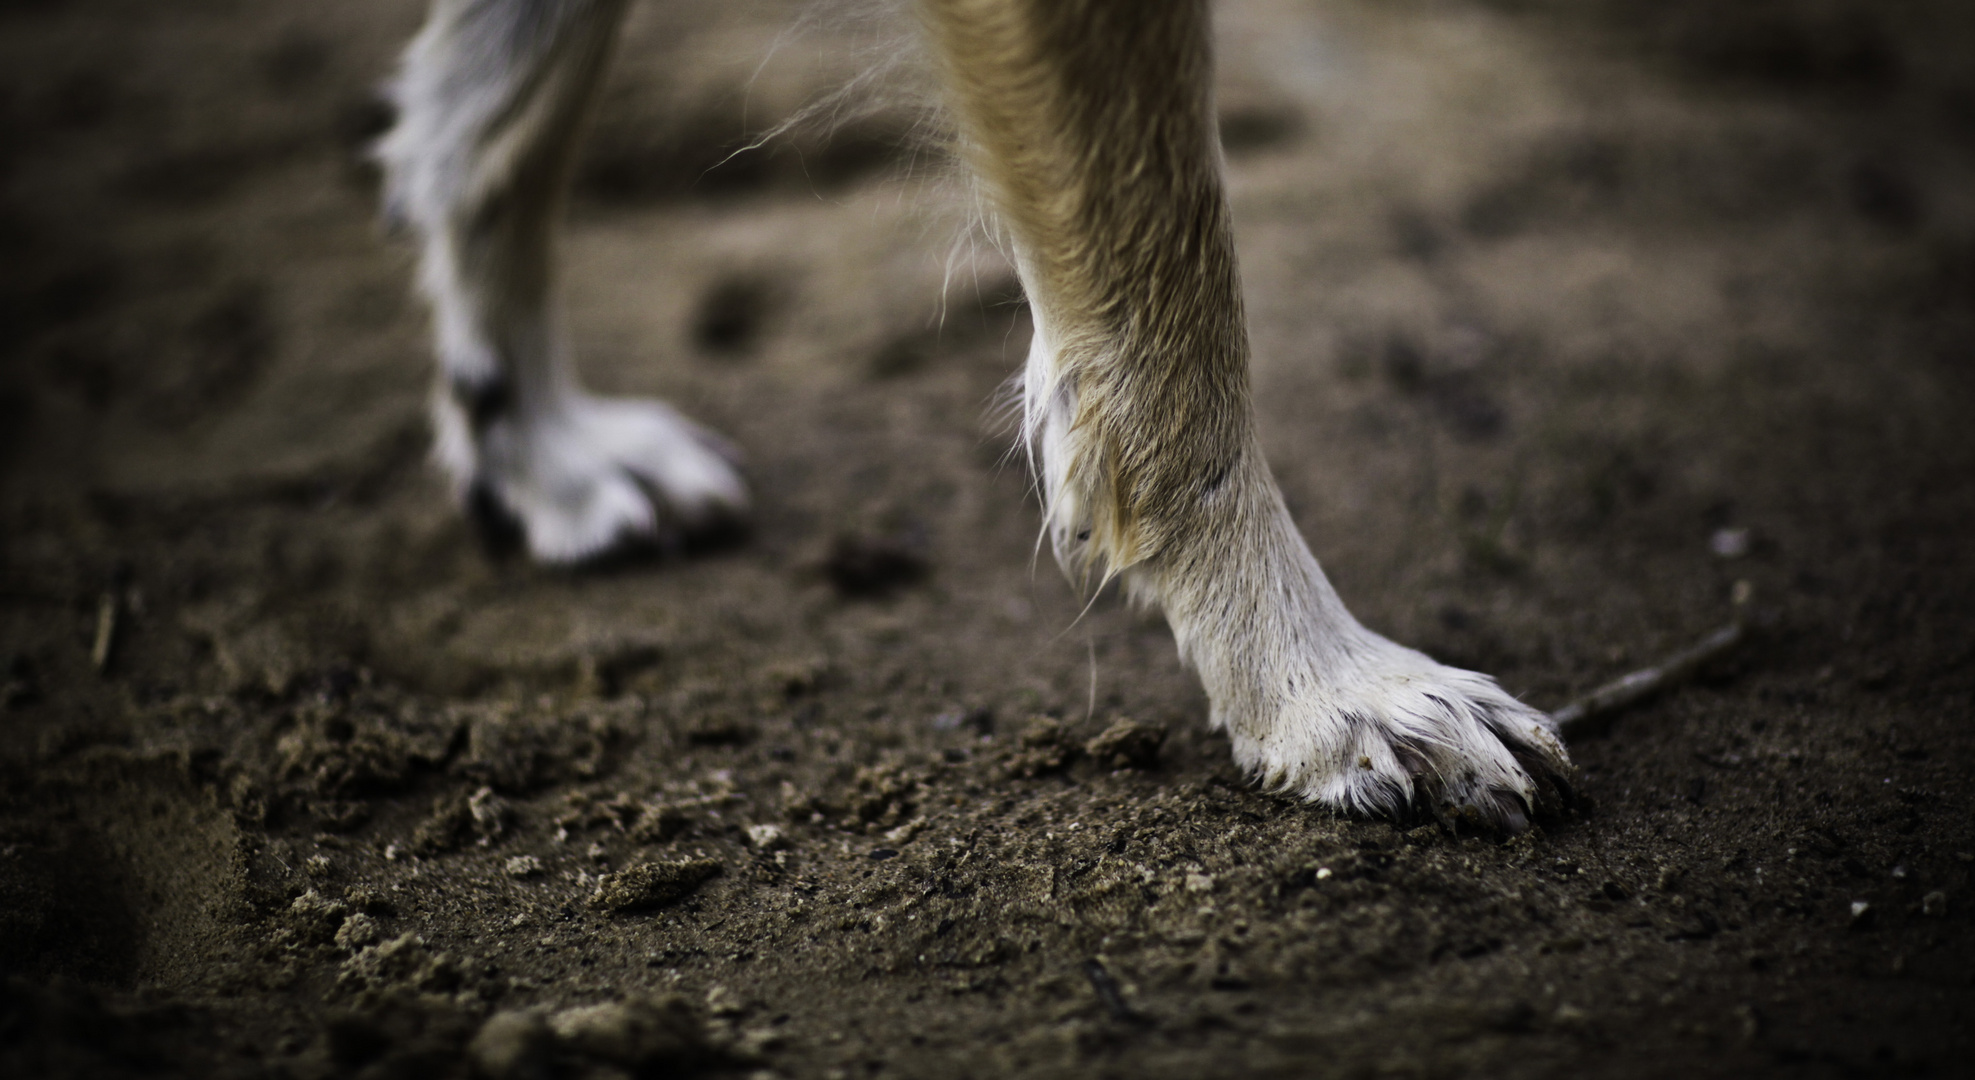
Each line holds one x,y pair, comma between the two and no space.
523,866
1934,904
653,884
1127,744
1199,883
1729,543
1323,872
1861,914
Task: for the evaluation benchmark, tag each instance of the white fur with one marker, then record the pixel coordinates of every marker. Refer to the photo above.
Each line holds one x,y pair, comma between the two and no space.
489,95
1318,705
584,475
1314,703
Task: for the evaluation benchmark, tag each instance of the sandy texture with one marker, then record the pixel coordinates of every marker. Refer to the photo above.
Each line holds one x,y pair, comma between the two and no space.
1569,317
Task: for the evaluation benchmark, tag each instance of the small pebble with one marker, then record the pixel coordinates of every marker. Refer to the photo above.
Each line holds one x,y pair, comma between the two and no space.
1934,904
1729,543
766,837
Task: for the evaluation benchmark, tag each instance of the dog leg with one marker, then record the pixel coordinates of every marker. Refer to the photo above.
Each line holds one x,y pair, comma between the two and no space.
491,97
1091,128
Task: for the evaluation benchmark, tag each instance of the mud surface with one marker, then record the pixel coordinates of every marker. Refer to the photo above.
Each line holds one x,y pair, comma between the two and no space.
1569,317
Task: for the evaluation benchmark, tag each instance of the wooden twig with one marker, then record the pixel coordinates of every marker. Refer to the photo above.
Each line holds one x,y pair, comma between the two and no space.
107,610
1629,690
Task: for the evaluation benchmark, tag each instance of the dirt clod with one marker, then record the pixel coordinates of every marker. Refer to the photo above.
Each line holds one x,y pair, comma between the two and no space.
646,1033
513,1045
314,920
459,819
1045,747
1127,744
523,866
403,963
653,884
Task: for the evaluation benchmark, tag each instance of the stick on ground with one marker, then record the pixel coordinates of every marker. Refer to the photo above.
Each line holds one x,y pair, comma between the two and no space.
1582,714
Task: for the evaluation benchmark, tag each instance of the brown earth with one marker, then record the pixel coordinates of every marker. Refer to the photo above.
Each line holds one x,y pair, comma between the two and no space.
1569,316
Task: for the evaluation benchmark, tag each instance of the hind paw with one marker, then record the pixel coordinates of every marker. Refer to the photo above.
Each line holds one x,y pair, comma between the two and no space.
589,477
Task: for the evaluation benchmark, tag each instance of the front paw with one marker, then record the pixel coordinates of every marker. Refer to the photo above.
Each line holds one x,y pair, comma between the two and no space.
1386,731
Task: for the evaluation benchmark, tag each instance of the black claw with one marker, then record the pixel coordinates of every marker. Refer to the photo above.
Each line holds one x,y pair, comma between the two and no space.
499,532
1507,812
1553,790
673,538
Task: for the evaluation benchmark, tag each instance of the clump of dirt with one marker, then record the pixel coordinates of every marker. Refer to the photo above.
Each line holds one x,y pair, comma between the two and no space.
653,884
1126,744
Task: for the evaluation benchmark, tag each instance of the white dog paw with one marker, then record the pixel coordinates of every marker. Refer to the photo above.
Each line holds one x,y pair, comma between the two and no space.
1383,730
586,477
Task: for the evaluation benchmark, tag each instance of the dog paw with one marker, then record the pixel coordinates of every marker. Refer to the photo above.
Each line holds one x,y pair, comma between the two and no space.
589,477
1383,730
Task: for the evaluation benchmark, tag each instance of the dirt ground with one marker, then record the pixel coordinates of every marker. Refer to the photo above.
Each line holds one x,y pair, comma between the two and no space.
1569,317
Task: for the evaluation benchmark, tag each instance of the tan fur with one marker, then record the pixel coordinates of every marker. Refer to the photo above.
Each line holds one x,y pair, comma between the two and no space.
1091,126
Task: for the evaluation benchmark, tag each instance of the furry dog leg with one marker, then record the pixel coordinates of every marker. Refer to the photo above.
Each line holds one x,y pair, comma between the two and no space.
491,97
1091,127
